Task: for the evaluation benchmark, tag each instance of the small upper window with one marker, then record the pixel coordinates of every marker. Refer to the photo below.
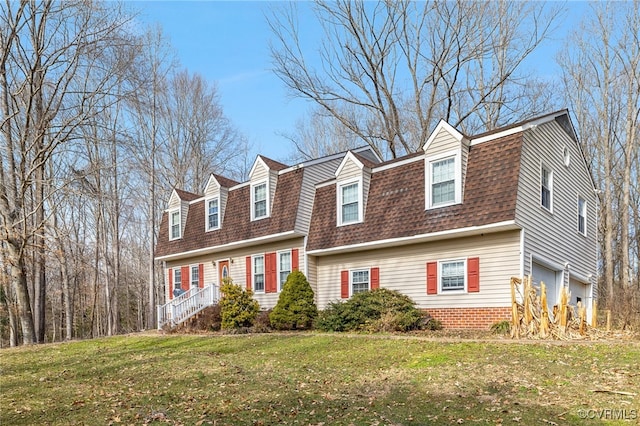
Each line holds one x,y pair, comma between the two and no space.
546,188
174,224
259,196
452,275
284,268
350,209
359,281
213,214
258,274
566,157
582,216
443,182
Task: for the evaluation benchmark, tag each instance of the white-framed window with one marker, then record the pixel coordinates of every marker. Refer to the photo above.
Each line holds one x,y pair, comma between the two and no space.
284,267
174,224
177,278
582,216
546,187
350,202
259,201
452,275
258,273
213,213
443,180
195,276
360,281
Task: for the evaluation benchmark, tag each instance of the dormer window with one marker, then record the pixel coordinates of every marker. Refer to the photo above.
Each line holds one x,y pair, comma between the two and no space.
213,214
174,224
349,202
443,175
259,201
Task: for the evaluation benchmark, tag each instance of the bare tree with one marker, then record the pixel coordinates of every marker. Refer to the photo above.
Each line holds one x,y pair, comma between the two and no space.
389,70
602,81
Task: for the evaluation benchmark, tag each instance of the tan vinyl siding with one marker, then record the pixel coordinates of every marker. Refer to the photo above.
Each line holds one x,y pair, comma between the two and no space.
212,190
237,266
555,235
312,175
366,182
184,211
464,158
442,143
273,182
404,269
224,195
260,172
350,170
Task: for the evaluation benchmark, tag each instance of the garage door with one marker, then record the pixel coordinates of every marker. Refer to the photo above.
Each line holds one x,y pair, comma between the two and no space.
551,280
579,292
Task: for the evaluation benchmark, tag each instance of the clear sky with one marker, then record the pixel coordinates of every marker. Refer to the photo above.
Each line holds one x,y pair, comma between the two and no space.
228,43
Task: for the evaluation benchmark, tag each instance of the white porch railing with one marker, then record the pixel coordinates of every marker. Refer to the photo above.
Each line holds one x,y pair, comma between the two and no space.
186,305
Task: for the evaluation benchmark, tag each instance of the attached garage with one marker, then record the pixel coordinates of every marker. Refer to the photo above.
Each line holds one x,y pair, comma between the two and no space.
551,278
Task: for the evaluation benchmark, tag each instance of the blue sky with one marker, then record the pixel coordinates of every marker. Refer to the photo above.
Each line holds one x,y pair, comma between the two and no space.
228,43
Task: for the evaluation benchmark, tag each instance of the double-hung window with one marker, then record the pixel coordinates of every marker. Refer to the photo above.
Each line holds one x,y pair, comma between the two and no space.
259,200
443,182
258,274
452,275
359,281
349,202
582,216
284,268
213,214
546,188
174,223
177,278
195,276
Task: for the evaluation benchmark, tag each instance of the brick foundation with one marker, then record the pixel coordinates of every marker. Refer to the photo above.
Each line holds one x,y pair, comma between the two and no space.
478,318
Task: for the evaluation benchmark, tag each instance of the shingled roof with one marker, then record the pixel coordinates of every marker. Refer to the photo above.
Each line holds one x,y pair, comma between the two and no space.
396,201
236,223
186,196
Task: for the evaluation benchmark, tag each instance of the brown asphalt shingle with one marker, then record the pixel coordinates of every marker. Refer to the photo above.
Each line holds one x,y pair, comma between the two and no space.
396,201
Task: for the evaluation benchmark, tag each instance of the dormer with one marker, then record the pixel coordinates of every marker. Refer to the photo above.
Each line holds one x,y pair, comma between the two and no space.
177,212
263,179
446,153
216,194
352,188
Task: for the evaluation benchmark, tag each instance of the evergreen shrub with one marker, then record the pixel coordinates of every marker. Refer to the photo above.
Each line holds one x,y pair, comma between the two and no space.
239,308
295,309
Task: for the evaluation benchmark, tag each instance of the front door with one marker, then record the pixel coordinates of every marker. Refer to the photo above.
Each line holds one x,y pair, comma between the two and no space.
223,271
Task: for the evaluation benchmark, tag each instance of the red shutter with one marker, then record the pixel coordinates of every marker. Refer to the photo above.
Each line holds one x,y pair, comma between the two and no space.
248,273
295,262
185,278
375,278
270,285
201,275
170,283
473,274
432,278
344,284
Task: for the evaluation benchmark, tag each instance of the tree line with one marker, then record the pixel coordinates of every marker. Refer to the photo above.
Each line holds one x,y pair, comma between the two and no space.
100,121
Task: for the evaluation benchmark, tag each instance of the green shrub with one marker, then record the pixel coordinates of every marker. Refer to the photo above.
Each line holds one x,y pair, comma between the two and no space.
239,309
376,310
501,327
262,324
295,308
432,324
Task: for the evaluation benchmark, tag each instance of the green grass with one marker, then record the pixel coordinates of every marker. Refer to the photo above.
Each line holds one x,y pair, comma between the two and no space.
316,379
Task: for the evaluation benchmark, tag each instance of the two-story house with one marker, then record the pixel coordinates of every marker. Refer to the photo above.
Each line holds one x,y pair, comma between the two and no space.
448,226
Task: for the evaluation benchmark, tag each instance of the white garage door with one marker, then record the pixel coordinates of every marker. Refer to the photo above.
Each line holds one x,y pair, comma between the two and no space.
579,292
551,279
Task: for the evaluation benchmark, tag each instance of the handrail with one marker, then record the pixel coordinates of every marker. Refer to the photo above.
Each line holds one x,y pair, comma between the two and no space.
187,305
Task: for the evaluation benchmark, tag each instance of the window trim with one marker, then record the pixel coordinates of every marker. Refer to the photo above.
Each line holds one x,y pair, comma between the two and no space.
206,214
543,167
351,272
464,288
278,270
253,273
359,181
584,216
197,282
177,271
171,224
429,162
254,185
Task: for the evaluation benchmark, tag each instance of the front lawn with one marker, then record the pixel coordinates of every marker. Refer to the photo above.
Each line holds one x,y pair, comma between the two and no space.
315,379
